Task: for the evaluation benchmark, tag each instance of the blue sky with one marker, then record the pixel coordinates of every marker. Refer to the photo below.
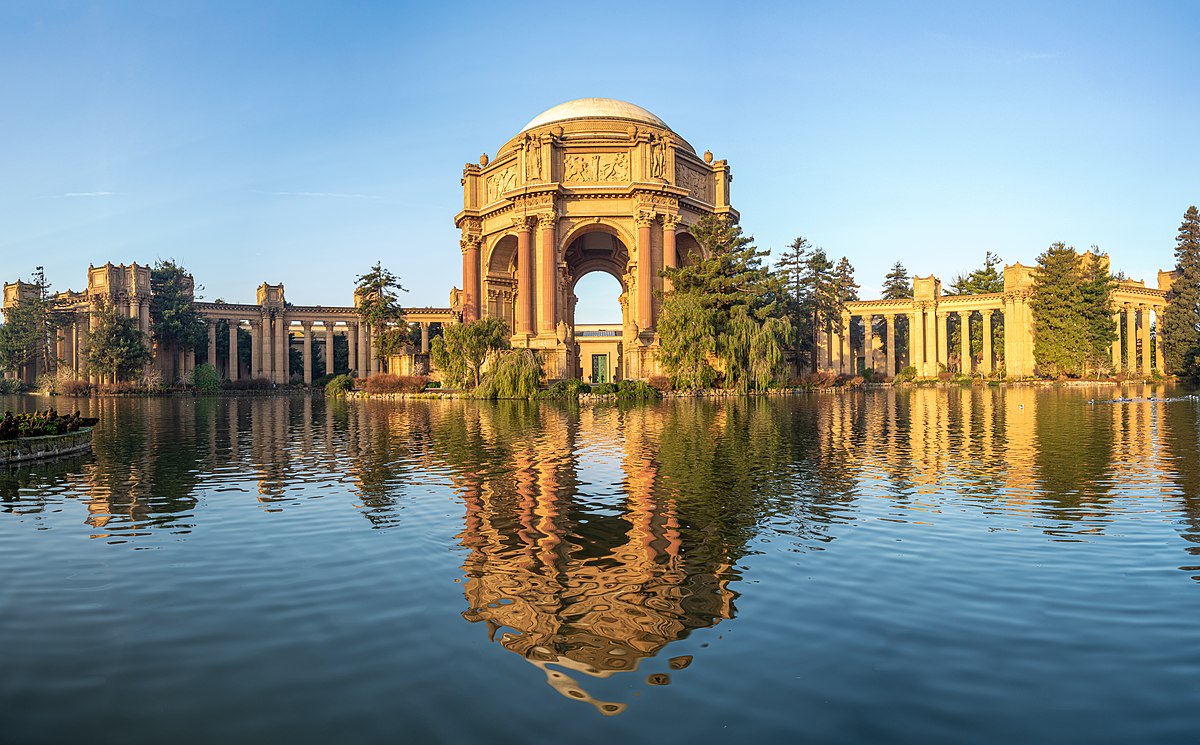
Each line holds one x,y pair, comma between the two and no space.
300,142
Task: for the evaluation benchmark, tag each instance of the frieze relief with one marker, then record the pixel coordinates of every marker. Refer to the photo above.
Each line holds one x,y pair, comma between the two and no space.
697,183
586,168
500,182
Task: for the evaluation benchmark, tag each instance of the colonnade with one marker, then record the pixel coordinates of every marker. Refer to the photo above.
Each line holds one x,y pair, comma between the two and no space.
271,337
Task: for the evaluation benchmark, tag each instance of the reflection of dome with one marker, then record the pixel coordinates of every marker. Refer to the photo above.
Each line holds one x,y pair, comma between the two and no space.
595,108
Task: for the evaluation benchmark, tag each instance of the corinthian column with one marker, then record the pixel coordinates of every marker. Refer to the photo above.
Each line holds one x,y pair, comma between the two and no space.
212,343
964,339
329,347
281,349
890,334
670,257
1116,345
986,362
1145,312
1130,338
232,366
645,272
548,274
306,328
524,278
470,259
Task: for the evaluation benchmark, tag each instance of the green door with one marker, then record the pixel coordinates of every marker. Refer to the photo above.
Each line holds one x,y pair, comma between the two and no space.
599,368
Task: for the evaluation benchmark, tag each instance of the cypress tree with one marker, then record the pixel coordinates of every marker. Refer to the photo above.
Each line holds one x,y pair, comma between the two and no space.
1060,339
1096,288
897,285
1179,330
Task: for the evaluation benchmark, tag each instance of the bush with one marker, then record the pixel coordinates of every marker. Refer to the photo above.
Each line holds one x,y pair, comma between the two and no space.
11,385
660,383
248,384
565,389
433,384
339,385
396,383
605,389
75,388
636,390
323,381
824,379
206,379
909,373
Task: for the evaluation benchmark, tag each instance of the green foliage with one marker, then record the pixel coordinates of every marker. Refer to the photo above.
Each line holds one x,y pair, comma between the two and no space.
396,383
174,321
986,279
721,306
1179,329
378,306
41,424
29,325
515,373
205,379
11,385
636,390
566,389
897,285
1070,303
116,347
463,349
339,385
908,373
605,389
753,352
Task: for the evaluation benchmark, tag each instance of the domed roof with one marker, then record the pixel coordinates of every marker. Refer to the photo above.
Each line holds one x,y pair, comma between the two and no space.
595,108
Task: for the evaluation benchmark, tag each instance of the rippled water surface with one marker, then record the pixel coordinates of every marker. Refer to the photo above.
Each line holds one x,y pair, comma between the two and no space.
975,565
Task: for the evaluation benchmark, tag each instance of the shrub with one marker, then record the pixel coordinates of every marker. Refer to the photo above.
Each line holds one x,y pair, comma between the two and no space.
605,389
206,379
636,390
660,383
75,388
396,383
433,384
824,379
565,389
11,385
323,381
339,385
909,373
515,373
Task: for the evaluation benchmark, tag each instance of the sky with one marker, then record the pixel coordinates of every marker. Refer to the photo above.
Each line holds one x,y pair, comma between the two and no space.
302,142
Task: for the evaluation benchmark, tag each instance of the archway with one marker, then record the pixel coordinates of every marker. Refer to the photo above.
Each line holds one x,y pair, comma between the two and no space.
597,265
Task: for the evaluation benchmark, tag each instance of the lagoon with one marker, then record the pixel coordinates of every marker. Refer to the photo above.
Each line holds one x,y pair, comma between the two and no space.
988,564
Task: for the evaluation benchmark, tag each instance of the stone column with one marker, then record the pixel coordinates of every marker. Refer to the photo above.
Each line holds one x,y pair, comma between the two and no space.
232,367
916,341
849,363
670,256
424,338
964,334
360,348
306,329
548,266
868,342
524,278
822,349
60,348
281,349
943,342
835,347
645,272
212,343
931,342
256,347
329,347
1144,310
144,320
985,365
352,346
1130,338
1158,326
890,334
1116,345
471,291
1010,334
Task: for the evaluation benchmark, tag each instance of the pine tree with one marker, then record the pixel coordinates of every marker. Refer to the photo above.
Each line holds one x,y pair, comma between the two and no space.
821,302
791,268
897,285
378,306
1179,329
1060,342
1096,288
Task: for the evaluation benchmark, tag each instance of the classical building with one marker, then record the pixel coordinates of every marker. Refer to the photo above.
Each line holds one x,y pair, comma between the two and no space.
273,325
865,337
593,185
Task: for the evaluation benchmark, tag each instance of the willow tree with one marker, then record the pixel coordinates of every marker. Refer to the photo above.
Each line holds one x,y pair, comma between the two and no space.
464,348
1179,329
377,302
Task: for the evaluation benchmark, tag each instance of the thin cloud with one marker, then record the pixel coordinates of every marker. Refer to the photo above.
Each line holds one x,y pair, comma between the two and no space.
75,194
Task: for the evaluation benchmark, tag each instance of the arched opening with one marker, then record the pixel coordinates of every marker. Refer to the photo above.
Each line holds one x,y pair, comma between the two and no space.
500,284
597,310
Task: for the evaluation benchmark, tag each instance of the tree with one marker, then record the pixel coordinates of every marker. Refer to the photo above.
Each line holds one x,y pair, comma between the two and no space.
982,281
729,281
463,349
791,268
30,326
378,306
897,285
174,320
1070,303
116,348
1179,329
822,298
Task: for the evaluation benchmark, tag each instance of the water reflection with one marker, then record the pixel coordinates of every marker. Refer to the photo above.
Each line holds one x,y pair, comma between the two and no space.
595,538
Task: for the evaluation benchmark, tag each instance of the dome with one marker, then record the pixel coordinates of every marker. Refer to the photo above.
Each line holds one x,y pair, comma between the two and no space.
594,108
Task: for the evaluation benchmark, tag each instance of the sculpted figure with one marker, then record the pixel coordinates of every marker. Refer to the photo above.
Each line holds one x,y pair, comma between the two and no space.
658,157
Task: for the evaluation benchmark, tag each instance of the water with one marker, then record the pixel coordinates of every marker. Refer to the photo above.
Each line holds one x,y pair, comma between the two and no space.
937,565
